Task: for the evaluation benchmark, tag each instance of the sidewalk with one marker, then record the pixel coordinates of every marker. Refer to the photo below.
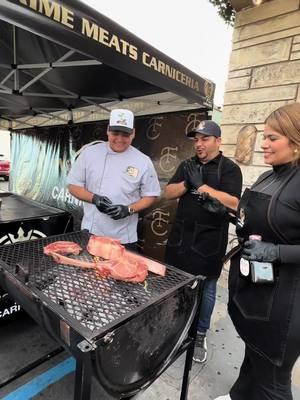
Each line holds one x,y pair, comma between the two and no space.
225,354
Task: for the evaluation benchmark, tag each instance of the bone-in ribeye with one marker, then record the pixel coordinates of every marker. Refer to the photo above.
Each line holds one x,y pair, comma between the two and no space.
119,264
111,249
105,247
62,247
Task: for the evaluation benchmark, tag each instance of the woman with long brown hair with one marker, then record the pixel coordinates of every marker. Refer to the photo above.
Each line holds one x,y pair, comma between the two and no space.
264,282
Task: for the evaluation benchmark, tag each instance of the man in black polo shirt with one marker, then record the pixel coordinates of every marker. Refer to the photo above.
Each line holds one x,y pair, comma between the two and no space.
207,185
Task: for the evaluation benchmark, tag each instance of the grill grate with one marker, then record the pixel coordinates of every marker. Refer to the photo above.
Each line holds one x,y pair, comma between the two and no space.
91,300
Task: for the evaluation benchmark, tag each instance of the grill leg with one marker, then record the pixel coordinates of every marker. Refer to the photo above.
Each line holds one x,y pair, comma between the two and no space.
190,351
186,372
83,380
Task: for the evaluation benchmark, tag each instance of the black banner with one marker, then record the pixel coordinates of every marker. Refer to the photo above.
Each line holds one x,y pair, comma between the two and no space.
42,159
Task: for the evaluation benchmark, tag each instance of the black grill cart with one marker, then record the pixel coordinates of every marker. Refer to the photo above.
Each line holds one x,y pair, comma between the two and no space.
23,219
125,334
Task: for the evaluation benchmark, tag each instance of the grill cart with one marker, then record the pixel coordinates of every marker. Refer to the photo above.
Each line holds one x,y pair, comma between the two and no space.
125,334
25,219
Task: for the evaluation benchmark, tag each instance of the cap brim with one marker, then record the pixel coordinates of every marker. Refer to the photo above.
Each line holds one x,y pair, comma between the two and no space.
123,129
194,131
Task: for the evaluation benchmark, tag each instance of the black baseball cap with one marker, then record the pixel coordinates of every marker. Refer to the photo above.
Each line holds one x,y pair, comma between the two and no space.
206,127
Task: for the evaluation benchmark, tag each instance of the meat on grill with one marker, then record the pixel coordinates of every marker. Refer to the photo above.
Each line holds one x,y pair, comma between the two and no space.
119,263
153,266
105,247
62,247
60,259
111,249
123,270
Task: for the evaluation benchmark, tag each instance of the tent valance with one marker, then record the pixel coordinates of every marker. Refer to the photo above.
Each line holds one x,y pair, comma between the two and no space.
62,55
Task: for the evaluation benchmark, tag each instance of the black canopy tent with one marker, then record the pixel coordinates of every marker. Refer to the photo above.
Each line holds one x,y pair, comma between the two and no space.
61,55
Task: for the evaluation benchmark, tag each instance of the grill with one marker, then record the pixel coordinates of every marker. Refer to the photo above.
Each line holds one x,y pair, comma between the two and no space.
125,334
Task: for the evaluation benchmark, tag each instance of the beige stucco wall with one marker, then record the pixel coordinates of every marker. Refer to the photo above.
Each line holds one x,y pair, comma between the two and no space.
264,74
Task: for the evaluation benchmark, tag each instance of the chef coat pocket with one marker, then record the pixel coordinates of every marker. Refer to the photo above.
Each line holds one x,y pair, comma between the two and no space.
176,236
130,184
207,240
254,301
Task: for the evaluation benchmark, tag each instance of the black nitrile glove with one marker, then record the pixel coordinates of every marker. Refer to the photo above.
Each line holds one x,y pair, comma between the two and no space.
193,174
255,250
212,204
118,211
101,202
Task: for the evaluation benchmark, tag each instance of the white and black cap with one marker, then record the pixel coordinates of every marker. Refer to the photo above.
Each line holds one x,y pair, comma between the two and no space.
121,120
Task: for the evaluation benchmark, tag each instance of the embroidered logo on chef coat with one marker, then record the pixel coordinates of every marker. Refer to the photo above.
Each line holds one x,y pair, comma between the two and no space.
241,218
132,171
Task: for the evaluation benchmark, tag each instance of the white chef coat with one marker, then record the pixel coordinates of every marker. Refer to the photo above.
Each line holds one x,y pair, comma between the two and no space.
123,177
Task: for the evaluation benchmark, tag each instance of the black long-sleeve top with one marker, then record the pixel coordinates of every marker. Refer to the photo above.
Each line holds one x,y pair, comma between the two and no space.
285,208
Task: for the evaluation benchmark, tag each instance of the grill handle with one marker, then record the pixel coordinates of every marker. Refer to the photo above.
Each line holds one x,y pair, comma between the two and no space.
22,271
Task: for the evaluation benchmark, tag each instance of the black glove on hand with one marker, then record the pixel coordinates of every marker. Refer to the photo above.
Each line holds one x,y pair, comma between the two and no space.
255,250
118,211
212,204
101,202
193,174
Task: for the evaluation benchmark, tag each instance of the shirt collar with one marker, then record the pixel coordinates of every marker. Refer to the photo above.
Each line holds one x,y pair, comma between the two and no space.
215,160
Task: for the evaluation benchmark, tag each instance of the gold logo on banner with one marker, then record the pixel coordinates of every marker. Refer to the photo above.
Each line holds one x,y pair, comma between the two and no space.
132,171
208,90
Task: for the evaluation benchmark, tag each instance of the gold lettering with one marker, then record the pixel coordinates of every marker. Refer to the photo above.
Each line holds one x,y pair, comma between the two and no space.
145,57
196,86
170,72
133,52
52,10
178,76
161,67
125,46
89,30
67,17
153,63
114,41
103,36
49,9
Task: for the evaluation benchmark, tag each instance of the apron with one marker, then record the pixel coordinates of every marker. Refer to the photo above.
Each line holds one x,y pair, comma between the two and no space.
261,313
198,239
196,247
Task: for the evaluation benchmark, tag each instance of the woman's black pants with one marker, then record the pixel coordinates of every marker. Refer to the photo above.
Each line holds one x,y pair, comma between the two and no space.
259,379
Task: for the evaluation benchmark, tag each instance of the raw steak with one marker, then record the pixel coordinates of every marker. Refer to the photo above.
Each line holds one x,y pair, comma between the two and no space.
153,266
62,247
123,270
60,259
111,249
119,263
128,270
105,247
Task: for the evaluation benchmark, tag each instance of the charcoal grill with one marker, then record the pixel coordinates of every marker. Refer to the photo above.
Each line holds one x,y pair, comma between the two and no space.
125,334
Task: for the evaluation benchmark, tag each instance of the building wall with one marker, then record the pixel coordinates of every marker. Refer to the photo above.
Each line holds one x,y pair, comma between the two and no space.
264,74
